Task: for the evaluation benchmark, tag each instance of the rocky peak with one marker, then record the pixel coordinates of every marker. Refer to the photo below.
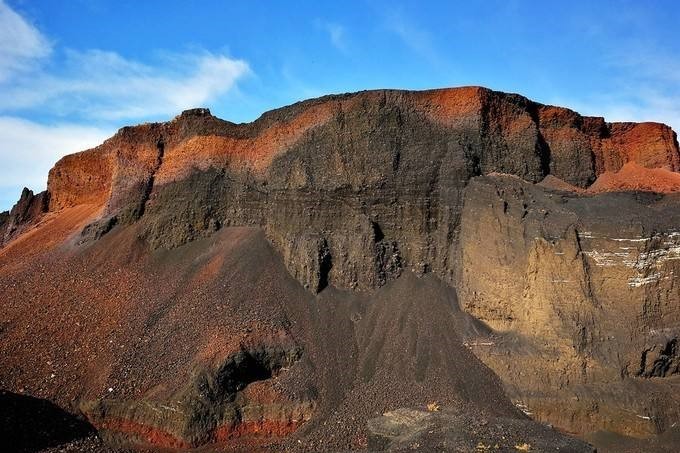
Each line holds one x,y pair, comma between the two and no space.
197,112
24,213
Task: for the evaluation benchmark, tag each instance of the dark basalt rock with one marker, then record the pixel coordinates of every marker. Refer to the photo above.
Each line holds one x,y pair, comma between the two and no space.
576,293
27,211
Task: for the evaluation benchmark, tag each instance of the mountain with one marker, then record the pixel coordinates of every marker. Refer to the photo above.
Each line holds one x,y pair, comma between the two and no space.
284,283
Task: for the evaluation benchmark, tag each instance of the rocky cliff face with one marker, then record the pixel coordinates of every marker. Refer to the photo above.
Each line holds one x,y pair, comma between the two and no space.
582,294
528,211
351,189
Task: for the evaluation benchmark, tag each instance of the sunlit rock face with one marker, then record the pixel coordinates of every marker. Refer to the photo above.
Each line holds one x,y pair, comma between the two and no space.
270,251
582,293
351,189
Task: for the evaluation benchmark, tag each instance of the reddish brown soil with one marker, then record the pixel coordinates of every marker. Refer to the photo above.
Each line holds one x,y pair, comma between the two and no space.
52,231
80,320
143,433
633,176
266,428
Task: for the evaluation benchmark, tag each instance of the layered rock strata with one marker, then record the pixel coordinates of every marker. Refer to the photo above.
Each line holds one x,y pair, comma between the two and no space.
531,212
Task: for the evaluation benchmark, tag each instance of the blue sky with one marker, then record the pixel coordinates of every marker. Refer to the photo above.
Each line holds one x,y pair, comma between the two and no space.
73,72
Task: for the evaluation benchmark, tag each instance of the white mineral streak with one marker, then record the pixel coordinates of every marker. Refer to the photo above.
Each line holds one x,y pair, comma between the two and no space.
646,263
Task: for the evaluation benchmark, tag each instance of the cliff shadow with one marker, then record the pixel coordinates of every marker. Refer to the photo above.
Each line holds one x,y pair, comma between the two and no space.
29,424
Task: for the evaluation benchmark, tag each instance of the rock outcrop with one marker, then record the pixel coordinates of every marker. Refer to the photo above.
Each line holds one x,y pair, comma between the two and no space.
216,406
532,213
582,296
26,212
351,189
405,430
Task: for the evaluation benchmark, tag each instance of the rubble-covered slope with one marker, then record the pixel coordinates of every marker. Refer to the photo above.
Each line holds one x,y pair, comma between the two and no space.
226,280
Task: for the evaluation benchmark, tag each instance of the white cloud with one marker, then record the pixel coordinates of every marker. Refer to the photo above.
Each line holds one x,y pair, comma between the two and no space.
644,86
71,90
28,149
654,107
105,85
336,34
21,44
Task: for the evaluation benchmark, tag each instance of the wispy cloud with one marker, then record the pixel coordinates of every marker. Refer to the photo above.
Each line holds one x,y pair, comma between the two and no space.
105,85
22,45
71,90
336,34
101,84
641,71
416,38
644,86
655,107
29,149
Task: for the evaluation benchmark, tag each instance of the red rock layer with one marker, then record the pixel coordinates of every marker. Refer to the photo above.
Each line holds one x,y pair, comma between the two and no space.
633,176
81,178
278,428
158,437
131,160
650,145
204,151
147,434
447,105
577,140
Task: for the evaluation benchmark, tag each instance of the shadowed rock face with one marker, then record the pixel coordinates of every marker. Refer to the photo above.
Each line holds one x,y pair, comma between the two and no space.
27,211
486,193
321,175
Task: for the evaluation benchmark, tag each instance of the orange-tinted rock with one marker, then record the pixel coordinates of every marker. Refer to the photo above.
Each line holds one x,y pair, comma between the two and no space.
571,139
650,145
633,176
278,428
124,170
449,105
82,178
202,152
145,434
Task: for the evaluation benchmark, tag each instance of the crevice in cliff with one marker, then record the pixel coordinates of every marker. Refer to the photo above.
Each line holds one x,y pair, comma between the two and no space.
544,153
542,147
160,149
388,264
588,290
378,235
396,159
325,265
661,360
